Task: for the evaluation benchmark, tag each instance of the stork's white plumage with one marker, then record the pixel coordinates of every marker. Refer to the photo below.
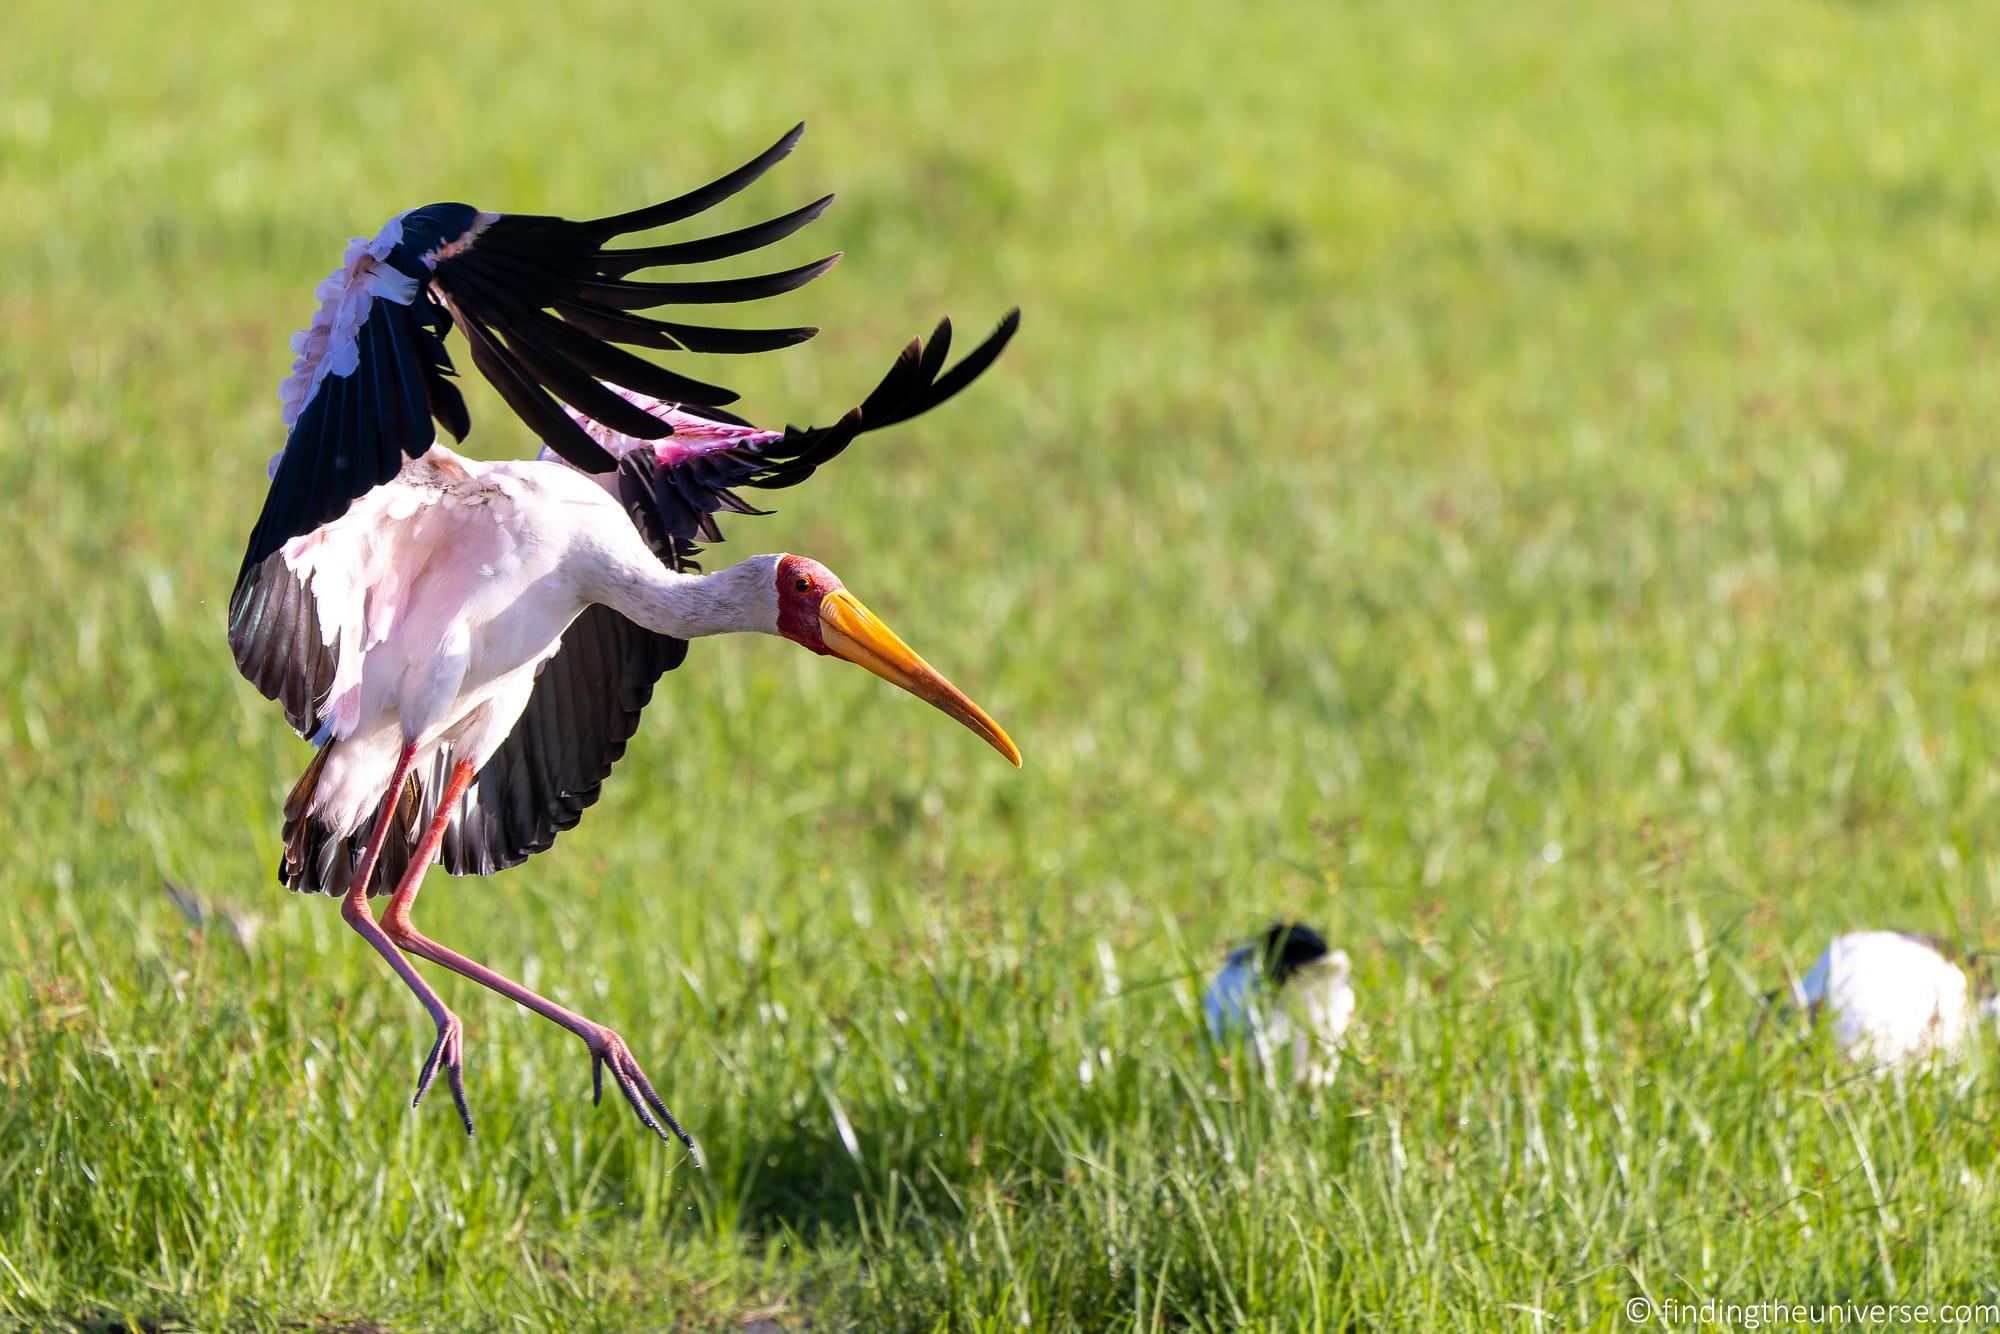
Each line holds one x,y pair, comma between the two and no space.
1286,998
445,591
1890,997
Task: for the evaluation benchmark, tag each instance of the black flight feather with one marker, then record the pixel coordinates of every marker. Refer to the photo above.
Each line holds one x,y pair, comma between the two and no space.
618,263
696,201
539,300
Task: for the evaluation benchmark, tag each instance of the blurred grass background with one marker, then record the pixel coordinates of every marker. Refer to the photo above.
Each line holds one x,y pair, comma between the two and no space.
1512,485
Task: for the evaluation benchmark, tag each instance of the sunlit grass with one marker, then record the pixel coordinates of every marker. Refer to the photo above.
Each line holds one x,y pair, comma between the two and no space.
1512,486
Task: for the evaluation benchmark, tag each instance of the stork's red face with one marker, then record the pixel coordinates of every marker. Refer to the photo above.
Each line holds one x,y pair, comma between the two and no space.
817,611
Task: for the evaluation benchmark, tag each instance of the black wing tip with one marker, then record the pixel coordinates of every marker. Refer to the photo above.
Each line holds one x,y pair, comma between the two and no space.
988,349
698,200
736,342
1003,333
773,155
626,296
974,363
786,280
791,280
814,211
770,157
623,263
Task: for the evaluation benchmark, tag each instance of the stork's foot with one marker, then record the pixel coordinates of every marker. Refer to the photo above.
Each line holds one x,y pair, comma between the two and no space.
607,1048
448,1053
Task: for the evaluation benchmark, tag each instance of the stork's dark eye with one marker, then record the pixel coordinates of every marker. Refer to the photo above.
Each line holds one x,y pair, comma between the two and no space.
802,585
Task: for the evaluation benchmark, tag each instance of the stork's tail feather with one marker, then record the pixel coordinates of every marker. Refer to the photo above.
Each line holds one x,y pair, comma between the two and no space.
316,860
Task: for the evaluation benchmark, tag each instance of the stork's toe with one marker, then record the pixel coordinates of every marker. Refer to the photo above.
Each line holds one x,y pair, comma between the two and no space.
448,1053
608,1049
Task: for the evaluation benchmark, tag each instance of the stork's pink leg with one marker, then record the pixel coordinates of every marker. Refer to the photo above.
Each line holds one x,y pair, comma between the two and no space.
606,1047
354,908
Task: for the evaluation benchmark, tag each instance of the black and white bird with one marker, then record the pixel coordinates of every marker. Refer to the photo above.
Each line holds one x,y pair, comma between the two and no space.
1288,998
469,644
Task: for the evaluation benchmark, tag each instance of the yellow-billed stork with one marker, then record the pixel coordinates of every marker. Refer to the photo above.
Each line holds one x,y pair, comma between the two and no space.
469,644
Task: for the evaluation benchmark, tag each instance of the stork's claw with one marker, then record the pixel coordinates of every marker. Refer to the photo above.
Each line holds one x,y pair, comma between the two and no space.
607,1048
448,1051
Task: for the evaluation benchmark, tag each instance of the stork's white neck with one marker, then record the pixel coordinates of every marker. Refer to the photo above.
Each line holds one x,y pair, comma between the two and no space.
743,597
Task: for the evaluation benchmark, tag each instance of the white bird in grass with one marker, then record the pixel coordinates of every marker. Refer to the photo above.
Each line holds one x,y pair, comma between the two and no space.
470,644
1285,994
1892,997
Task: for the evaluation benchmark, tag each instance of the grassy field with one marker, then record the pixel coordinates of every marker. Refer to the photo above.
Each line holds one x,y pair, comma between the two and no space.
1514,485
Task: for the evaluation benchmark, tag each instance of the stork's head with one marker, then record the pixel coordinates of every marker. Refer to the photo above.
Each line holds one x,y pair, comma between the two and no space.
815,610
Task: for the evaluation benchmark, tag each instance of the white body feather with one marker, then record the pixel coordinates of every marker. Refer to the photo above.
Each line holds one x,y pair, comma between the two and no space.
1891,997
444,591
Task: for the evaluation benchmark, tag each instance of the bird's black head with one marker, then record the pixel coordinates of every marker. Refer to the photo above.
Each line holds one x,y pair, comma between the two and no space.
1290,946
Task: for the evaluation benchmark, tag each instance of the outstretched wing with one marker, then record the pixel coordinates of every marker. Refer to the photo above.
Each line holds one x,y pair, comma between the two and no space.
371,372
674,487
543,304
586,702
585,707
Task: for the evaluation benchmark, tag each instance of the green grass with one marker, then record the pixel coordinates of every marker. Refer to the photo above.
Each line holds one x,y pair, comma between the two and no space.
1513,485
